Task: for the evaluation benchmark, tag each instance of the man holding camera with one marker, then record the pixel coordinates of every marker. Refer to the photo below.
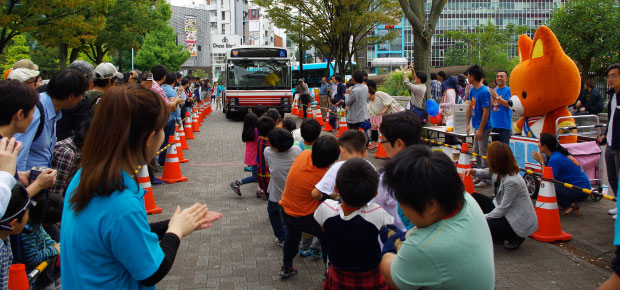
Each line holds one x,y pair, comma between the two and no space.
304,95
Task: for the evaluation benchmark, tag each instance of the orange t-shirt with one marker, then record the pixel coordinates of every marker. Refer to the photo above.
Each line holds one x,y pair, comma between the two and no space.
297,197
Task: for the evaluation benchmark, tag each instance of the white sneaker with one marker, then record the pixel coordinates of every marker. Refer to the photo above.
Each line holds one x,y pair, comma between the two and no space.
612,211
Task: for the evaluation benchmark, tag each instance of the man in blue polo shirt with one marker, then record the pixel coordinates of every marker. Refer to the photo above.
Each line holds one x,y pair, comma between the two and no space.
478,112
64,91
501,115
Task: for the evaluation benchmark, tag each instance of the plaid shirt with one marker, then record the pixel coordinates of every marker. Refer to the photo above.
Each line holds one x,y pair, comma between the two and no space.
160,92
6,259
262,168
66,159
436,91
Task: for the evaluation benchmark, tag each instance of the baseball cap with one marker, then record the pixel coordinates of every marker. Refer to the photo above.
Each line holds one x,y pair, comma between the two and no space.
106,70
26,63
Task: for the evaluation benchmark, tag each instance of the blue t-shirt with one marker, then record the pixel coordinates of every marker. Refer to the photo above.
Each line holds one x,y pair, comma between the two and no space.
171,93
501,116
109,244
481,98
566,171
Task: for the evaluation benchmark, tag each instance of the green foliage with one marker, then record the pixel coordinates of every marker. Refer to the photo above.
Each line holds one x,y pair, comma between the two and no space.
16,50
328,26
589,33
393,85
160,47
200,73
456,55
488,45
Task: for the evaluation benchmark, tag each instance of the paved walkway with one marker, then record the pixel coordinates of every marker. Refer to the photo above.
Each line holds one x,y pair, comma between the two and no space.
239,252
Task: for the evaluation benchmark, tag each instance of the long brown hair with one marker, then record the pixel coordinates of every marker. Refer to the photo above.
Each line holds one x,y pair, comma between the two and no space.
501,160
124,119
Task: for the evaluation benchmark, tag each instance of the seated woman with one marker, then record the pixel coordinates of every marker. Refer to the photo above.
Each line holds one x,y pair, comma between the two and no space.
565,170
510,215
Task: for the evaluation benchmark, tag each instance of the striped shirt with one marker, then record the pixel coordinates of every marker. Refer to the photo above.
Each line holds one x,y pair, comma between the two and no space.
6,258
38,246
262,169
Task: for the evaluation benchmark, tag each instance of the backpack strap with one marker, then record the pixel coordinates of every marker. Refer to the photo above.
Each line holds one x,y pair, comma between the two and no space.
41,120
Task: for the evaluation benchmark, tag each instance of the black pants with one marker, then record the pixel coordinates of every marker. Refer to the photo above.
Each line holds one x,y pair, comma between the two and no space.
500,228
374,135
354,126
295,226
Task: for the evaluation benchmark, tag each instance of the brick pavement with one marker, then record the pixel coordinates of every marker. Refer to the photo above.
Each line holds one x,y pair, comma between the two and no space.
239,252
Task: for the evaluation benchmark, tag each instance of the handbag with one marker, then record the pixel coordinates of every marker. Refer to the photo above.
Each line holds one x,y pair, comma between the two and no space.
421,113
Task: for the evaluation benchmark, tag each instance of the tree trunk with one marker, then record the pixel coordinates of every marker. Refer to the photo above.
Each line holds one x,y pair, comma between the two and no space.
120,60
62,55
422,56
74,54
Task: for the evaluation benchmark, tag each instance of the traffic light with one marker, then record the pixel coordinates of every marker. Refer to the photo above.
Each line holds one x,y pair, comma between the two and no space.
389,27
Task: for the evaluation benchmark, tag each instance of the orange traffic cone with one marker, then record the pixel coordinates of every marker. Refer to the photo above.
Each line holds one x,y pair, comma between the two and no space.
200,114
300,112
343,125
182,137
549,226
328,126
189,133
17,277
295,110
145,183
309,114
172,168
195,124
381,154
177,142
319,116
465,163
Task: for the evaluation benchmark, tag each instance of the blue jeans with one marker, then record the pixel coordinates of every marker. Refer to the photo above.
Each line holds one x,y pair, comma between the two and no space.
168,131
275,217
504,135
567,196
251,178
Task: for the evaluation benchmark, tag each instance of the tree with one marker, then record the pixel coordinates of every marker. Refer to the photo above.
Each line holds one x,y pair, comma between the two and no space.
423,27
338,29
16,50
456,55
588,30
160,47
487,45
20,16
71,32
126,24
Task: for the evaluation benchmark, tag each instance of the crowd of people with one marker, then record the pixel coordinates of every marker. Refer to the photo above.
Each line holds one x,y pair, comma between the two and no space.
68,192
69,153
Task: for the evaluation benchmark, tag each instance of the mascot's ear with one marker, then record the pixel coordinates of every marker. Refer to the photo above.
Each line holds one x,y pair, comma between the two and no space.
545,44
525,46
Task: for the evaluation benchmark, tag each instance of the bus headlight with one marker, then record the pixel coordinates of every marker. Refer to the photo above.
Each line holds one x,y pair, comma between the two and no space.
286,101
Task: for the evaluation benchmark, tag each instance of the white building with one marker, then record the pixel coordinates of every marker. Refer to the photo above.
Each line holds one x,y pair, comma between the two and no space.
234,22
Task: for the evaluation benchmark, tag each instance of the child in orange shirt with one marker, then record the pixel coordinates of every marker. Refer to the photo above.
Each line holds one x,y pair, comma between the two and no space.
297,201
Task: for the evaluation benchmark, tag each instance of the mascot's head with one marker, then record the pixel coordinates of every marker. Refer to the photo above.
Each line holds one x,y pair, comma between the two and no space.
545,78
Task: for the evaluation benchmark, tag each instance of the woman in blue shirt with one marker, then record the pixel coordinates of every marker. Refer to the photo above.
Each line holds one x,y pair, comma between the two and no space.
565,169
107,242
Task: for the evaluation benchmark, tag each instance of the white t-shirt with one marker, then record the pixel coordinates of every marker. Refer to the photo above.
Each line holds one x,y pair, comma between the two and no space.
614,104
328,182
388,203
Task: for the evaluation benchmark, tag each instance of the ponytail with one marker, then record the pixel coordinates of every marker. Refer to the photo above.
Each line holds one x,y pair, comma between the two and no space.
552,143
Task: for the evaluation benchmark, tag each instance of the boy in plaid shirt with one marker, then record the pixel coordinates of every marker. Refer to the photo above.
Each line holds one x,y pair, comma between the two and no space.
265,125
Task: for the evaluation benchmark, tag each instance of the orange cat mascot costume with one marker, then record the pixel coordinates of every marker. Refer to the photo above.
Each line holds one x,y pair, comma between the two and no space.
543,84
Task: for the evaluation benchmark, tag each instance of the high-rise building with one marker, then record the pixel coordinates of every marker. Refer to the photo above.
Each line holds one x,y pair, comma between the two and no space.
463,15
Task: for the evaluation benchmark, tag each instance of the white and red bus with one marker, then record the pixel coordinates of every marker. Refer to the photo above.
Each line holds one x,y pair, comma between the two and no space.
255,75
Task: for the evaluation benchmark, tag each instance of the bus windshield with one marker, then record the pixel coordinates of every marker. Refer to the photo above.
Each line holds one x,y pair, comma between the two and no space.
258,74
